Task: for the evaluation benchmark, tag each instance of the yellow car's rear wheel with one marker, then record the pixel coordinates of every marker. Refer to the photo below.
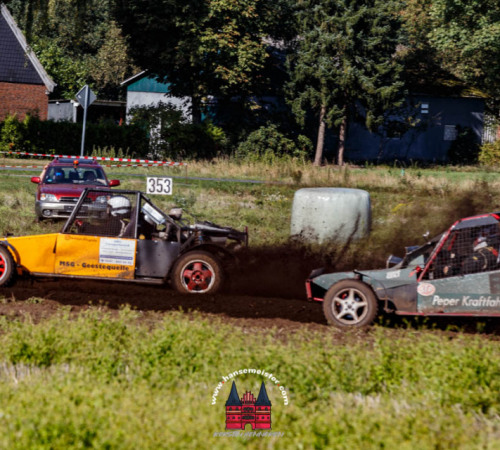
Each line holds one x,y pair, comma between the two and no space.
6,266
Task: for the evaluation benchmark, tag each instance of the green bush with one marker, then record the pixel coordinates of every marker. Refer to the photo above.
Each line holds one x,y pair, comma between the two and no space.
11,134
489,155
268,144
37,136
172,136
109,152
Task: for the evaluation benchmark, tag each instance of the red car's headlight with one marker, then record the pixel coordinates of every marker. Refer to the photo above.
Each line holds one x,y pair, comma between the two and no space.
48,198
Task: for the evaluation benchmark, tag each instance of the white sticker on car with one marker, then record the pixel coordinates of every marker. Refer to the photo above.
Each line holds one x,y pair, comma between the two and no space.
117,251
426,289
394,274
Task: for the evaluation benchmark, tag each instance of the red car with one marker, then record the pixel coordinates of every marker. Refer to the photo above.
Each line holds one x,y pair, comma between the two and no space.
61,183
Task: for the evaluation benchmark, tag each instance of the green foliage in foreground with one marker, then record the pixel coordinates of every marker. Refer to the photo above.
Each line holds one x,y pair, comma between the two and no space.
114,381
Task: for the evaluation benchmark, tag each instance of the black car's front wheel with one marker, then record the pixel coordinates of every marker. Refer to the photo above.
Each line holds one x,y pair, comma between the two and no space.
197,272
350,304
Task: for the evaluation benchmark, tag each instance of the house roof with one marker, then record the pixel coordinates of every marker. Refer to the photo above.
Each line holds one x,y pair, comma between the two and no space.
133,78
145,82
18,63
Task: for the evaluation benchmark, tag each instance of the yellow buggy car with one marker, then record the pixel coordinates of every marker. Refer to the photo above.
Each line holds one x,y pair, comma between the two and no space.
121,235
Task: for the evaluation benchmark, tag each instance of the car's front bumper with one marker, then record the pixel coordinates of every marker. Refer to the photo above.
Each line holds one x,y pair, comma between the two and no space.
49,210
313,291
62,210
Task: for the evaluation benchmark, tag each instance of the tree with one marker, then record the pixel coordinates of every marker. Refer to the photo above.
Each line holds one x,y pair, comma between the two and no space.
29,12
201,47
419,56
466,35
112,63
70,73
77,42
345,61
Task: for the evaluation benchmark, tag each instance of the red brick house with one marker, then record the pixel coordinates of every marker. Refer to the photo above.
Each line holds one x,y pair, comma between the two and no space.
24,84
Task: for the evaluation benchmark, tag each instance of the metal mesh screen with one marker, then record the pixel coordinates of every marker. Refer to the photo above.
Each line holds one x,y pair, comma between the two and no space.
468,250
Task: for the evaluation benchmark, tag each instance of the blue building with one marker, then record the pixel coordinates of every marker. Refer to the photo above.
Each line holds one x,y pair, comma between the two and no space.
422,130
435,123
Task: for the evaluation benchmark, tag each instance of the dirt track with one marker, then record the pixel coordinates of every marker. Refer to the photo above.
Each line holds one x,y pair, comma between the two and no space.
266,291
243,309
246,311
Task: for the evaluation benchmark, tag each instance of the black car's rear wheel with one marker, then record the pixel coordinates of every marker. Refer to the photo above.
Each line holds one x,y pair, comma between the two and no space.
350,303
6,266
197,272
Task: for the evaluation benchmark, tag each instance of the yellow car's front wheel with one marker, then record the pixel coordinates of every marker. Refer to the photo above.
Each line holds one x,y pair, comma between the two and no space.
197,272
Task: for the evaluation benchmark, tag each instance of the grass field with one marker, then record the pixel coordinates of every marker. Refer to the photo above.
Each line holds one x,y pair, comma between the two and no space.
119,382
135,379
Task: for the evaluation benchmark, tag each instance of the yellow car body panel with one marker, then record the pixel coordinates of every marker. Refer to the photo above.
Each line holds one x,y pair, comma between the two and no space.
94,256
75,255
34,253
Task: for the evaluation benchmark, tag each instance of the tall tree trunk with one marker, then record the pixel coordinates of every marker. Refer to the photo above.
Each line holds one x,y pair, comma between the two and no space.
196,109
342,133
318,157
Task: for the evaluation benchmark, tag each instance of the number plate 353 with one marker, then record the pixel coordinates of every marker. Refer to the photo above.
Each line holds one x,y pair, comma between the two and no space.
159,185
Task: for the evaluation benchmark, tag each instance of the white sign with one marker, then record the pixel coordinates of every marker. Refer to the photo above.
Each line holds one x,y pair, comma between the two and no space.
159,185
450,132
117,251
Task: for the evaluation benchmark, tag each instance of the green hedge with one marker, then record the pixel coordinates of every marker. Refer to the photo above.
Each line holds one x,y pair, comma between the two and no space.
268,144
490,154
38,136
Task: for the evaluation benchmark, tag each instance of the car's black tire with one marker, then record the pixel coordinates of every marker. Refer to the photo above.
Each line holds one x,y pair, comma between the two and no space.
350,304
197,272
7,266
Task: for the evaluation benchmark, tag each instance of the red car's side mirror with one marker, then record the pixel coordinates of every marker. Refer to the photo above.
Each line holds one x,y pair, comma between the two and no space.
35,180
114,183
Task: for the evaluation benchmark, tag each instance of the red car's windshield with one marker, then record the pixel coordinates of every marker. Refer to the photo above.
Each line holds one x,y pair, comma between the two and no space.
75,175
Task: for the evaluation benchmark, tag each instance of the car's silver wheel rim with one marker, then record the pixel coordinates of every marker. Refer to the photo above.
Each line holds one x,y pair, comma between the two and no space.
350,306
197,277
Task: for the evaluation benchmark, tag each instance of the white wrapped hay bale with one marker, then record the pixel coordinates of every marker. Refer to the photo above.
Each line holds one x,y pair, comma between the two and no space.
339,214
